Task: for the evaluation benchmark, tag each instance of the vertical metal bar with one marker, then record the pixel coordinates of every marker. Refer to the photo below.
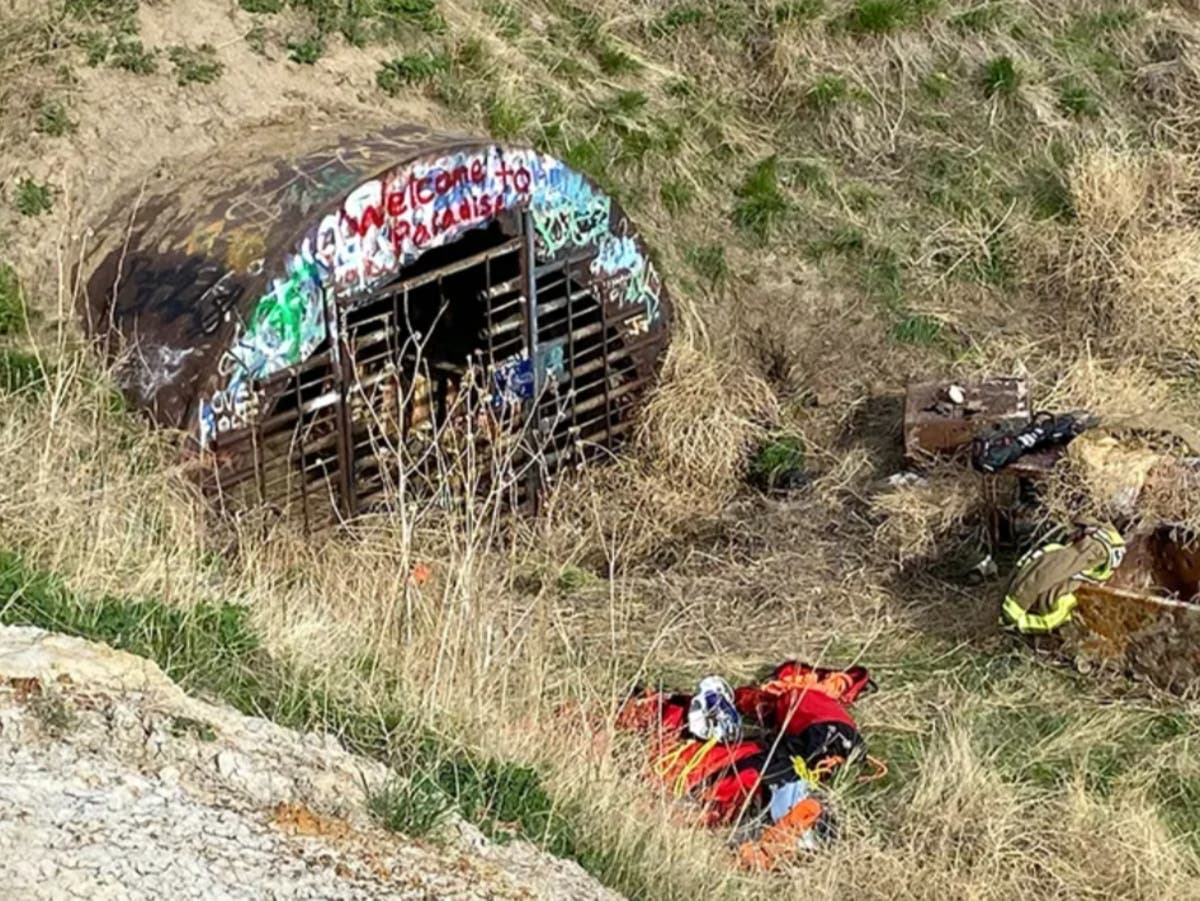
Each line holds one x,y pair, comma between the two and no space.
608,433
409,394
569,363
300,438
441,378
490,365
531,322
529,281
260,477
339,350
394,343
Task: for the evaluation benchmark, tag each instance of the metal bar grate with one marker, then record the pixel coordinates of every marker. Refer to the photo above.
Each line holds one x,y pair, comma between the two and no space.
362,414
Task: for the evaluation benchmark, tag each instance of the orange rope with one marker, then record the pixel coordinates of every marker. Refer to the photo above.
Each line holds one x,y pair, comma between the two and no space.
881,770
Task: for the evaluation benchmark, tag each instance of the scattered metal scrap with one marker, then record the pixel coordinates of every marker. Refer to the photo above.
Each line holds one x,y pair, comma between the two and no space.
1147,618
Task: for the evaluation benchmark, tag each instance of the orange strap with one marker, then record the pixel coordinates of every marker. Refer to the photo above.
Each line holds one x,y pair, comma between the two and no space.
780,839
835,684
881,769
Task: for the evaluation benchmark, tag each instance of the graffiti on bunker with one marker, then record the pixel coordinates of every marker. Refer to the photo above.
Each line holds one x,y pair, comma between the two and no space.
386,223
513,378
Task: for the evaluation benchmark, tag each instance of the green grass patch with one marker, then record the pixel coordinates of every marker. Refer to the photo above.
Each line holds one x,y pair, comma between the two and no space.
1000,77
844,240
96,46
32,198
1178,797
676,195
133,56
792,12
506,118
883,277
196,66
363,22
919,329
210,647
506,800
996,262
471,58
261,6
416,806
826,92
53,119
307,50
615,61
20,371
108,32
761,204
505,17
103,12
777,460
1077,99
967,186
985,16
708,260
411,69
1094,28
1049,193
886,16
1093,39
627,103
584,155
12,302
571,579
676,19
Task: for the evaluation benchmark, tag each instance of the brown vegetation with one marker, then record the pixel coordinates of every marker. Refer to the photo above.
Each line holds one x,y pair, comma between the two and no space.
930,208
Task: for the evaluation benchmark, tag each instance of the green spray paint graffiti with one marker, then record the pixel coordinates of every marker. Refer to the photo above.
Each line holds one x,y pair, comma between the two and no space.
287,324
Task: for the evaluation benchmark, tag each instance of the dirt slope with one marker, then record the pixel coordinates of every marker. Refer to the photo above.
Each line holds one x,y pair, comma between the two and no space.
115,784
130,127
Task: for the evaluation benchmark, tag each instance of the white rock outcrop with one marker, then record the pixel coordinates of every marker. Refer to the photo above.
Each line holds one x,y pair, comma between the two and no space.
116,784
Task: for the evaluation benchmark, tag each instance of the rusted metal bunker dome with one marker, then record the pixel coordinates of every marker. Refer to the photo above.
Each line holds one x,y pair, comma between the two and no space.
307,315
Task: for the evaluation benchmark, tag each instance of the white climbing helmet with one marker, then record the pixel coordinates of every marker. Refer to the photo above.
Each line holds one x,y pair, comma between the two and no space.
712,715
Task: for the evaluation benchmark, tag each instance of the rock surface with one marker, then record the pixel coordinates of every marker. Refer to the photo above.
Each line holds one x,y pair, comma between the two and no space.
115,784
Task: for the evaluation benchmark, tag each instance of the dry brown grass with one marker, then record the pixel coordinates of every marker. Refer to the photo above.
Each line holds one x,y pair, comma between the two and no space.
1129,468
1129,266
919,518
703,421
683,572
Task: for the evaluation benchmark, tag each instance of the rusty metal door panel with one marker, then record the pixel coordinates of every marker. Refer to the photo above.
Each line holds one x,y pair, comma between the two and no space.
1147,619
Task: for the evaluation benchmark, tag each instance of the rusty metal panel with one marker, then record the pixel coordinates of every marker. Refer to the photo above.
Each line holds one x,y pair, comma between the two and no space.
1146,620
181,261
934,425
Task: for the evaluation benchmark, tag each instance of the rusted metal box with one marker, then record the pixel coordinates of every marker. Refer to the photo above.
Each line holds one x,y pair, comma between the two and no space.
935,424
1147,619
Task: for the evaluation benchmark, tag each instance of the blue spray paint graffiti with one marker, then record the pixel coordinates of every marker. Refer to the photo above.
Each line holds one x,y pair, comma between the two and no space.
512,383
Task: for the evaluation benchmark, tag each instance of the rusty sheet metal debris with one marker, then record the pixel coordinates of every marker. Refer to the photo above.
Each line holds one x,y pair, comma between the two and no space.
935,425
1147,619
298,313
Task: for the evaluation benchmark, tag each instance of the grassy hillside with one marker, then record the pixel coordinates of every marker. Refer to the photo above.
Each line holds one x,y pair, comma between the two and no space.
843,194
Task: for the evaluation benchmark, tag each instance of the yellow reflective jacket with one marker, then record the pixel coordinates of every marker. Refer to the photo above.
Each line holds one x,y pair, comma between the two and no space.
1041,594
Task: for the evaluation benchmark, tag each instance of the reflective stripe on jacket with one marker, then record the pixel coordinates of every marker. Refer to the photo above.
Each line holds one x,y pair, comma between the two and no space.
1041,594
